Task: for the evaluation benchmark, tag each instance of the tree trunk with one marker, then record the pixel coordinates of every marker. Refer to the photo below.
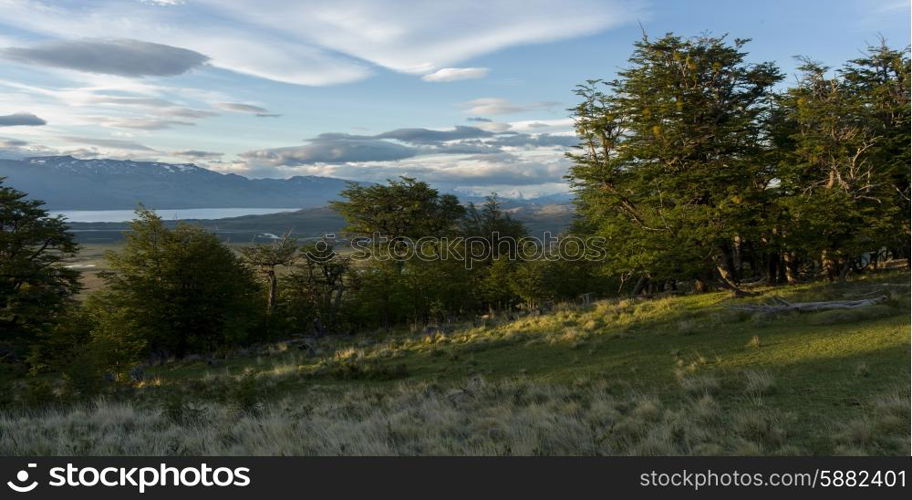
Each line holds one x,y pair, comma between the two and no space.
736,262
273,291
828,265
772,268
781,305
728,283
790,267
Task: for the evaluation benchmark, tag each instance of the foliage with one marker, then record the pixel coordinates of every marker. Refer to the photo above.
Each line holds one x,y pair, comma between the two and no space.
313,292
35,287
844,154
402,208
693,168
182,289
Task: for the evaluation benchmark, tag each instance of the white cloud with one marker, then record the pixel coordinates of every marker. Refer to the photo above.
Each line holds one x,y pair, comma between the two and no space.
138,123
108,143
563,125
421,36
500,106
323,42
231,44
455,74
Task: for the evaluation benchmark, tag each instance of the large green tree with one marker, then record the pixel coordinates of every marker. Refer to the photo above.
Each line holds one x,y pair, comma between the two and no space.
183,289
35,288
672,167
843,144
401,208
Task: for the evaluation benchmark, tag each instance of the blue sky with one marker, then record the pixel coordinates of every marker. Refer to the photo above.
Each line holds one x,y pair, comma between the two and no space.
271,88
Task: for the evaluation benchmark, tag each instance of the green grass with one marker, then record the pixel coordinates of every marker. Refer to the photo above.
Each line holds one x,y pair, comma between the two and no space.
672,375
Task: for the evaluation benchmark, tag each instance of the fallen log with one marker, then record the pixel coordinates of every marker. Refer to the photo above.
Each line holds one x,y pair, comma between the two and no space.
779,304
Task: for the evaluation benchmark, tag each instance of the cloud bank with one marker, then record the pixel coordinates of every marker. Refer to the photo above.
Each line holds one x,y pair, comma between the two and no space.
467,159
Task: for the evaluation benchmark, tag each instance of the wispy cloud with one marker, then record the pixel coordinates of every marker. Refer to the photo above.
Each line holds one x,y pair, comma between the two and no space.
194,154
455,74
501,106
108,143
327,42
246,108
139,123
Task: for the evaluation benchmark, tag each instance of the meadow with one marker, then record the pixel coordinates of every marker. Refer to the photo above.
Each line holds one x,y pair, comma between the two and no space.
665,375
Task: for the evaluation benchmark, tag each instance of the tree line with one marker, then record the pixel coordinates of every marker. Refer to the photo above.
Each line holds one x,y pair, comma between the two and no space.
698,169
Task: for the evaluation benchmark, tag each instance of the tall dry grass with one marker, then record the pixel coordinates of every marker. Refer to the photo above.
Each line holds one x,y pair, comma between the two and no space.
473,418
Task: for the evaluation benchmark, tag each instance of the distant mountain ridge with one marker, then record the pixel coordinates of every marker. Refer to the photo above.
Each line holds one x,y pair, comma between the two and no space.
67,183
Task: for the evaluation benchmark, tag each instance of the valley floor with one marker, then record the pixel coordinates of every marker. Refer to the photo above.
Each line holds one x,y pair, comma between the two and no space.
677,375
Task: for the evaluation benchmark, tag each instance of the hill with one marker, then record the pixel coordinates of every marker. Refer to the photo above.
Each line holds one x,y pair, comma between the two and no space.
662,376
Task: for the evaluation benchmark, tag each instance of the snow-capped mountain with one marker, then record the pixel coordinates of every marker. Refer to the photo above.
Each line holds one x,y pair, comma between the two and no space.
67,183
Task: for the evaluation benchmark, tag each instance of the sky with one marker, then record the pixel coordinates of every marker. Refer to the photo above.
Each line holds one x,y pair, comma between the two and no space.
470,96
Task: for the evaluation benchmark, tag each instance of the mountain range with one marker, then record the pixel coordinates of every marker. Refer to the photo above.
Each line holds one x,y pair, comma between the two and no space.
67,183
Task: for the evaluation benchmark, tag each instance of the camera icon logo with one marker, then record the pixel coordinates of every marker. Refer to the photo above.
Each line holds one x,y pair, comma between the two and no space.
22,476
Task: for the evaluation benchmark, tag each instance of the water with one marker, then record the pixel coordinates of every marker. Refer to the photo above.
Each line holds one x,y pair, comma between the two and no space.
169,214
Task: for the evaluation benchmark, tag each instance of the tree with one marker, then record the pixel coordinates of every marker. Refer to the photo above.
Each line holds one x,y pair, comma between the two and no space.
315,289
184,290
265,258
404,208
882,80
844,161
35,289
501,236
499,230
671,166
533,282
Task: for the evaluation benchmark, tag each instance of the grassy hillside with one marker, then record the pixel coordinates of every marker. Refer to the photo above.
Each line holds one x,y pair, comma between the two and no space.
667,375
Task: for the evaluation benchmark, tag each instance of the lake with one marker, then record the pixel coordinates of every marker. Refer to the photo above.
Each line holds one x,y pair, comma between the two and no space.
167,214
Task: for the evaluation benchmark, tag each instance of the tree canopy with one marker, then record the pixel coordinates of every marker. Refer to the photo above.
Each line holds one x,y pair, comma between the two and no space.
35,286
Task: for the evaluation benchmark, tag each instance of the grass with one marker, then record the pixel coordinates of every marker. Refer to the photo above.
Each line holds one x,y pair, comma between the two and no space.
672,375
